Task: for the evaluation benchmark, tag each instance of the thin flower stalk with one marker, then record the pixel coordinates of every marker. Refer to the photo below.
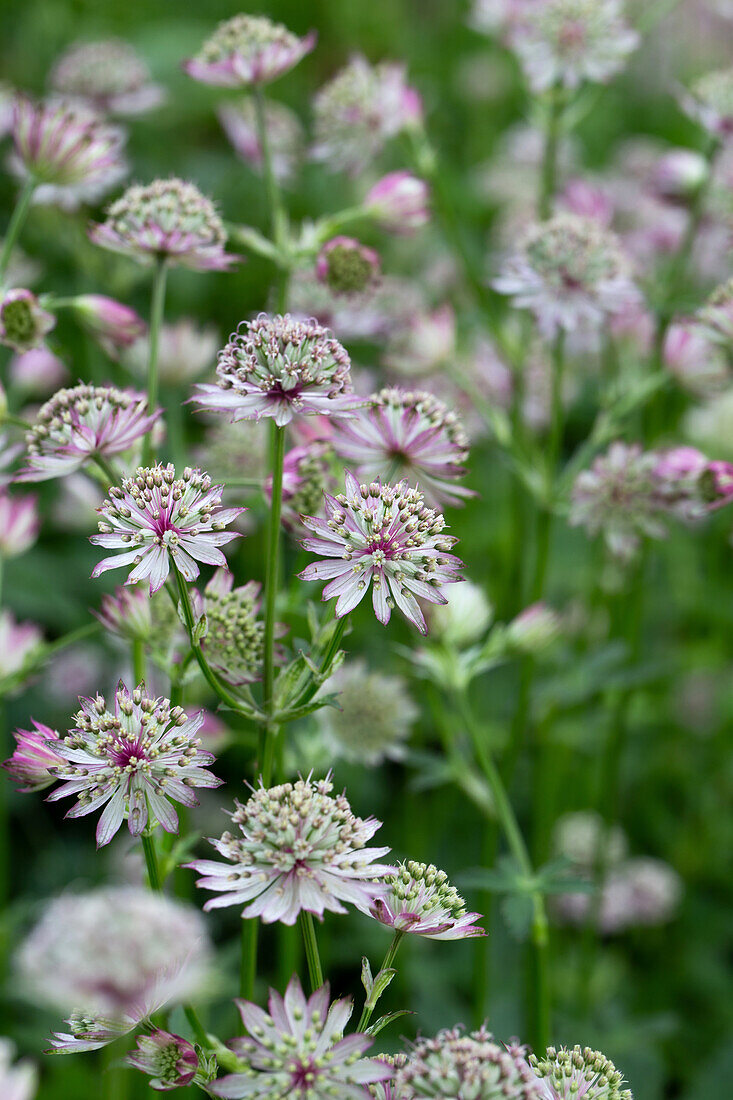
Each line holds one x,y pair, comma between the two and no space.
157,310
16,224
269,733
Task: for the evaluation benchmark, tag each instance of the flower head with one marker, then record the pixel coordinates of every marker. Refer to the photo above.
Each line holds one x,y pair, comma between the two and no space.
185,350
115,325
387,1090
299,1050
709,101
248,50
155,517
580,1072
234,639
411,435
284,134
306,475
17,1082
694,354
300,849
132,761
425,343
383,536
170,1061
582,838
421,900
399,202
132,614
570,272
19,644
33,755
81,423
109,74
374,717
279,367
690,484
359,110
166,219
19,524
72,154
23,321
347,266
569,41
454,1064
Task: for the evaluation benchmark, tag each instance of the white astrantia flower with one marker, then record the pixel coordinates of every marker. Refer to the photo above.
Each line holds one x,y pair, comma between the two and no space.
580,1072
372,718
423,902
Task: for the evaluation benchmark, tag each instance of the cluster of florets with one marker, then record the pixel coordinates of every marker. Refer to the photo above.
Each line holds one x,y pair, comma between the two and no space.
359,110
570,272
279,367
23,320
709,101
248,50
166,219
422,901
34,754
387,1090
300,849
455,1064
170,1061
347,266
81,423
580,1072
284,134
133,761
234,637
384,537
374,716
108,74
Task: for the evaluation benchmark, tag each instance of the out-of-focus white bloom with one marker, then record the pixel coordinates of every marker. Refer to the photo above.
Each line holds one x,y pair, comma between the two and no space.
637,892
17,1082
709,100
185,350
426,343
464,619
37,372
374,717
284,134
110,75
577,836
534,629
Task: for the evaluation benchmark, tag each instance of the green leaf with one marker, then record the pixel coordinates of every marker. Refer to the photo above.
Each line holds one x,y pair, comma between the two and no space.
382,1022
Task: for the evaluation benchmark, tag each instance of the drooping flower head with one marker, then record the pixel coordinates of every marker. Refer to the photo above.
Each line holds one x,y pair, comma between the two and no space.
19,644
234,640
280,367
284,134
568,41
166,219
248,50
422,901
33,755
474,1065
406,434
155,517
68,150
374,716
23,321
170,1061
384,537
19,524
709,101
399,203
109,74
359,110
17,1082
131,613
133,761
347,266
83,422
570,272
185,350
300,849
580,1072
299,1050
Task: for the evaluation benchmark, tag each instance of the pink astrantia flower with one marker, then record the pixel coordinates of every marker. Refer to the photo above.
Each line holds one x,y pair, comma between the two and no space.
23,321
284,134
37,372
33,755
83,422
132,762
690,484
19,524
155,518
280,367
299,1050
167,219
300,849
385,537
407,435
248,50
19,643
399,202
170,1061
347,266
114,324
109,75
422,901
424,344
693,354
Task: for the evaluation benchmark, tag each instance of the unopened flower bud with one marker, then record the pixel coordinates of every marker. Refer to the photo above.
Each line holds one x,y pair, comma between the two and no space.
399,202
534,629
347,266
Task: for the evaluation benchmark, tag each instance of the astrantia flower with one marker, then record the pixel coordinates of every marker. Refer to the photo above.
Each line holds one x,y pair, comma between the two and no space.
422,901
374,716
582,838
23,321
248,50
280,367
301,849
19,524
19,644
185,350
284,134
109,74
112,957
411,435
131,613
374,313
72,154
155,517
571,273
694,355
580,1072
33,755
359,110
640,892
166,219
37,372
299,1050
385,537
78,424
399,203
709,101
114,324
689,484
306,476
132,762
388,1090
455,1065
424,344
233,644
170,1061
347,266
569,41
17,1082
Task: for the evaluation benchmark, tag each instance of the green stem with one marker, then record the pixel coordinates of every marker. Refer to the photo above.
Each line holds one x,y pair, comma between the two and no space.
248,961
16,224
157,307
269,732
151,861
107,469
310,942
18,421
278,222
548,176
138,662
389,958
196,1026
328,657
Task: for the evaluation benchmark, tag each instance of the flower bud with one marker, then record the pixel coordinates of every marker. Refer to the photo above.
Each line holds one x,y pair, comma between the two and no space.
679,174
114,324
347,266
534,629
399,202
464,619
